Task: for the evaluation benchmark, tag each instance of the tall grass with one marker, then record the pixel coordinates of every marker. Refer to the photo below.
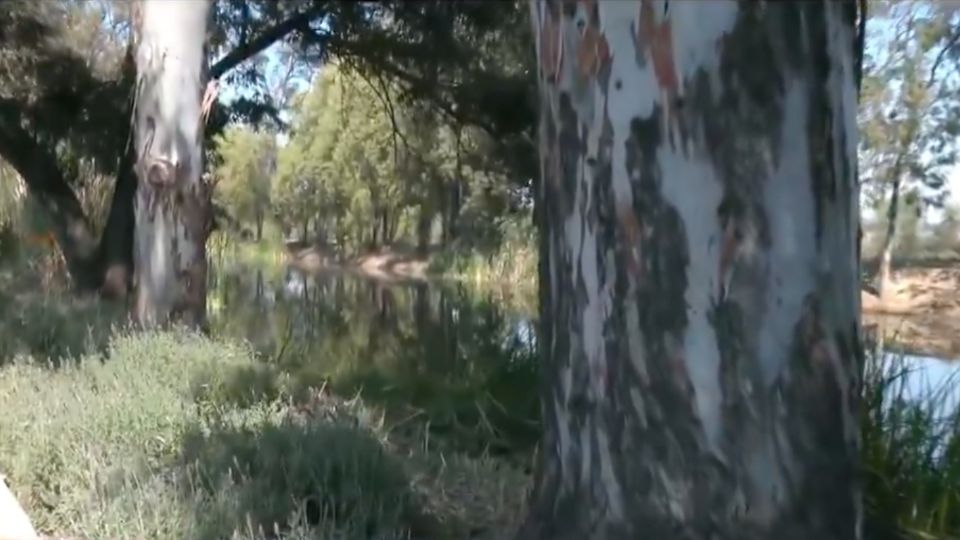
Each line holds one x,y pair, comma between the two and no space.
172,435
510,270
911,453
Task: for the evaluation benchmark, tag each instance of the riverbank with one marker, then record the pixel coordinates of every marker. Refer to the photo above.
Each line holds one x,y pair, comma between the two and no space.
921,313
917,290
510,274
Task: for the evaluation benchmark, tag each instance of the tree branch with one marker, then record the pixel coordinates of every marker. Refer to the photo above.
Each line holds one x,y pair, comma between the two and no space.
267,38
951,43
861,42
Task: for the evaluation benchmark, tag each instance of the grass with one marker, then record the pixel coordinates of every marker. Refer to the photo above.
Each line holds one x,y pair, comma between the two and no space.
510,273
44,326
911,454
170,435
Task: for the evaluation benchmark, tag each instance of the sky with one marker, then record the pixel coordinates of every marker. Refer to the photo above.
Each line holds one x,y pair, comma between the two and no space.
879,33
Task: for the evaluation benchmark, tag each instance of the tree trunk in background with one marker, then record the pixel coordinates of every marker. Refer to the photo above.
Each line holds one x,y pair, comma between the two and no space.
424,226
116,242
699,277
886,254
172,208
115,253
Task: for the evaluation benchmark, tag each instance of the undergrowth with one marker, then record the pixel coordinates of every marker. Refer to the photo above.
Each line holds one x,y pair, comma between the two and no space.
171,435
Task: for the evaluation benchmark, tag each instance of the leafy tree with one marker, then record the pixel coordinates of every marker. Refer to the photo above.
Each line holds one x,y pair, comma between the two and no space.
246,162
909,117
373,168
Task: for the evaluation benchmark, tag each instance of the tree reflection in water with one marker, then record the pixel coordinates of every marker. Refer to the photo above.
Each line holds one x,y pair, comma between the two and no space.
460,362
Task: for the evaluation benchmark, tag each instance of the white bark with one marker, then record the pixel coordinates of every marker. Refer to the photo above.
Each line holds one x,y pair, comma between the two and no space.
172,205
701,306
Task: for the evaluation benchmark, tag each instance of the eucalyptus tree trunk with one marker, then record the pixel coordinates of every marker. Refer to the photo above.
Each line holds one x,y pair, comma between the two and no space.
890,235
699,291
173,209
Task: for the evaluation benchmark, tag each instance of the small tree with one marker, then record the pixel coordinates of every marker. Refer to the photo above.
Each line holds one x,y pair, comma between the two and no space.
244,173
909,118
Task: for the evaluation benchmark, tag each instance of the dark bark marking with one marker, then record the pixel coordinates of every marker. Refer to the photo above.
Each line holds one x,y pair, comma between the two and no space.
649,266
570,149
820,123
812,399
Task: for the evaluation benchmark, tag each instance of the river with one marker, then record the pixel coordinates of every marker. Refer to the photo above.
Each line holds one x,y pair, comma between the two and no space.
462,360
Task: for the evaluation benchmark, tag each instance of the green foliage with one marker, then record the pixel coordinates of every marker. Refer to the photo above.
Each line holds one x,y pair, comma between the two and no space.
909,116
367,168
911,455
48,327
513,265
149,442
245,163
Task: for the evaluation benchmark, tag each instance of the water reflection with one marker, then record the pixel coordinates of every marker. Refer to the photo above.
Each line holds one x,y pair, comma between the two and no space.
924,379
462,361
458,359
920,358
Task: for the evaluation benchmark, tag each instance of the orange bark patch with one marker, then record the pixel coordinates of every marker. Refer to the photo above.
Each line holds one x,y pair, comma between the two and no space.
551,49
593,51
658,38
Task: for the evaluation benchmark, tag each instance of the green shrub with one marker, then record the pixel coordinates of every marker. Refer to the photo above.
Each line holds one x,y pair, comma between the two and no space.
135,444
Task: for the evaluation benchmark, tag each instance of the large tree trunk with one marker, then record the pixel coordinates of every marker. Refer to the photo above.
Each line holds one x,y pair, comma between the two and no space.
699,300
173,199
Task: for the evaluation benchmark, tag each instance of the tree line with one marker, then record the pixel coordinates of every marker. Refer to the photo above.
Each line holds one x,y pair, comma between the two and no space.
362,167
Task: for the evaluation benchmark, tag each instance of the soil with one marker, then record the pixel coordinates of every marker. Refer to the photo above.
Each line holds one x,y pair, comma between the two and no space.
921,312
391,264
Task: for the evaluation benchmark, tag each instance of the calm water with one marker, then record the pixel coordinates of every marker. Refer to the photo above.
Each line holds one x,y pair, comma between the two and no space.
462,361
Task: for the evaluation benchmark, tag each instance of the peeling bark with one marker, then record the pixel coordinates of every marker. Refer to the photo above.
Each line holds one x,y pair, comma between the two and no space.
173,206
699,276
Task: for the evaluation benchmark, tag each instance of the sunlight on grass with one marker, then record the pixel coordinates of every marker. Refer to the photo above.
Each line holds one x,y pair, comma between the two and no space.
170,435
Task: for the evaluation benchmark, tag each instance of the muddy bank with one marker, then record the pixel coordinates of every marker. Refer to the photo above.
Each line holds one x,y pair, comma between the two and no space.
921,314
391,264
